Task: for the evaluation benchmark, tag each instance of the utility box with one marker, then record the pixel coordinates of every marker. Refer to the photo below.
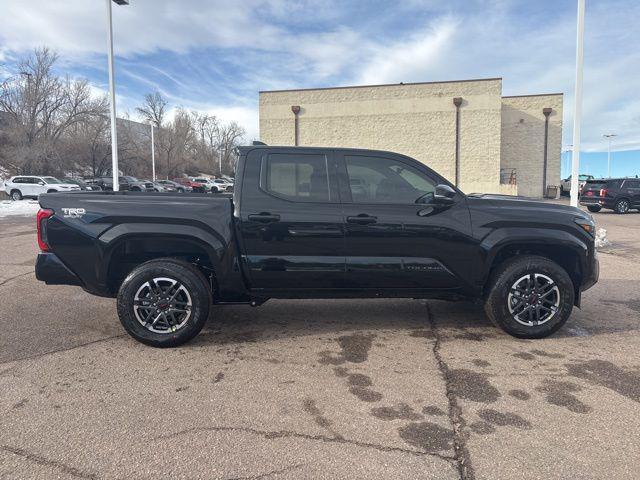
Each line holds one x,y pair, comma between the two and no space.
552,191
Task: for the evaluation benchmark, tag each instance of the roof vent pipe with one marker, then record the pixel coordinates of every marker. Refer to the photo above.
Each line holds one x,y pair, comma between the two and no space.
296,134
457,101
546,111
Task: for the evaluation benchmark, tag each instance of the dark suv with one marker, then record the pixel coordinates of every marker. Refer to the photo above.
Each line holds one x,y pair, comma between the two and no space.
617,194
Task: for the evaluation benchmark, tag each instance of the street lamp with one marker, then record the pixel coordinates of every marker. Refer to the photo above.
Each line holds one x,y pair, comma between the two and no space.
609,136
153,155
112,96
577,105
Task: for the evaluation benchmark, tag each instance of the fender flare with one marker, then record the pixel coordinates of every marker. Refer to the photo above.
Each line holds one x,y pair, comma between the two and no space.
211,242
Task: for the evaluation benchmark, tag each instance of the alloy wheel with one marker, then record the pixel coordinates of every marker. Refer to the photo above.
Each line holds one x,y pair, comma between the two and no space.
533,299
623,206
162,305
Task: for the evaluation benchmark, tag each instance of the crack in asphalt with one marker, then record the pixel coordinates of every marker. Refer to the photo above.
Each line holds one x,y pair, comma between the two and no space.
268,474
40,460
269,435
462,456
16,276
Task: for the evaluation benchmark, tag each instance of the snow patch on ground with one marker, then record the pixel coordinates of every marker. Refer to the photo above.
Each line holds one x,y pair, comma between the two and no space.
21,207
601,239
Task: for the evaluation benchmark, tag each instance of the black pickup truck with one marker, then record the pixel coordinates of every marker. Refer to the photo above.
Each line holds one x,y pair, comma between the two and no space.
317,223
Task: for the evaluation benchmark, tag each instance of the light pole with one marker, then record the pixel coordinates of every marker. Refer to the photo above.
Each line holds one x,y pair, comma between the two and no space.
577,105
609,136
112,96
153,156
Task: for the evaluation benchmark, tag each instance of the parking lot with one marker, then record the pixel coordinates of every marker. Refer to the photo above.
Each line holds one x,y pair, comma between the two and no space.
319,389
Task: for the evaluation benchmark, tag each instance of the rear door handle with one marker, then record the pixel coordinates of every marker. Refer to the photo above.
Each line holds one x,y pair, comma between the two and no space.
264,217
362,219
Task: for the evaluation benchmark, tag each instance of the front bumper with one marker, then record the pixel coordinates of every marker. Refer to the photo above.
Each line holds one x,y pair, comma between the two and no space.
592,273
51,270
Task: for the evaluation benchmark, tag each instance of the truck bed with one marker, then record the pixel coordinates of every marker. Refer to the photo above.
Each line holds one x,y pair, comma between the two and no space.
119,229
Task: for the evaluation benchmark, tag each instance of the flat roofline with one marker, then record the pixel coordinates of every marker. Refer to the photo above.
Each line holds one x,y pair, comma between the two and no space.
380,85
533,95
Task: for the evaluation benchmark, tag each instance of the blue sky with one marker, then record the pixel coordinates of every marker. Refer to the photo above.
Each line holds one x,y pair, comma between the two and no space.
216,55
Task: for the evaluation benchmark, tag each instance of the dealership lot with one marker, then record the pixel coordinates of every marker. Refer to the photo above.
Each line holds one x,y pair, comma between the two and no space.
318,389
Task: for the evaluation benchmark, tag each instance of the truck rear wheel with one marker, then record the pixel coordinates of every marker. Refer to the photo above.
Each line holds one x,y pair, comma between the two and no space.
530,297
164,302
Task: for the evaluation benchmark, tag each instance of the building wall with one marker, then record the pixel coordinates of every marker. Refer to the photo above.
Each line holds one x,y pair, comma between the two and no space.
417,120
523,140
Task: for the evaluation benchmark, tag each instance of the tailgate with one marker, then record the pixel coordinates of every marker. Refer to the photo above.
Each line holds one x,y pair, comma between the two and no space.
591,191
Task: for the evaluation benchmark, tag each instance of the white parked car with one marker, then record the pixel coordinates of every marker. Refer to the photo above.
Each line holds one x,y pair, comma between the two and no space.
221,185
22,186
565,185
213,185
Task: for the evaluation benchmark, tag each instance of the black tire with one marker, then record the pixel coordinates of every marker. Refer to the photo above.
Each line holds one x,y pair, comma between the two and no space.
193,282
594,208
622,206
562,192
180,190
16,195
52,191
507,275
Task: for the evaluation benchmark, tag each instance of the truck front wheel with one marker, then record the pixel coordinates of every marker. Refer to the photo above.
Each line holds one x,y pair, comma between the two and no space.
530,297
164,302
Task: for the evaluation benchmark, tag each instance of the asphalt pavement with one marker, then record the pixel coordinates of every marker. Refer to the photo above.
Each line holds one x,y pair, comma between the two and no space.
319,389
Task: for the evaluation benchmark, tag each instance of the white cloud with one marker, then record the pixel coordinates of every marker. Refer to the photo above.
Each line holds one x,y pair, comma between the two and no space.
270,44
408,60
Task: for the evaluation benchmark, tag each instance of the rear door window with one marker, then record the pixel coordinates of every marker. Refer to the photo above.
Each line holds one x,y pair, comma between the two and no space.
297,177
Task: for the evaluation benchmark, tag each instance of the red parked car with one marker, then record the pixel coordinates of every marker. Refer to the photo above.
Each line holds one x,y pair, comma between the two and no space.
196,186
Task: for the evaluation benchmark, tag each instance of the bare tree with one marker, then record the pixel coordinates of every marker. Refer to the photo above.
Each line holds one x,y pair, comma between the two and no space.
153,109
229,138
41,109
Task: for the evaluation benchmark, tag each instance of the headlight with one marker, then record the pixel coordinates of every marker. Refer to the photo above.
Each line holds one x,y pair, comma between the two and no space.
587,225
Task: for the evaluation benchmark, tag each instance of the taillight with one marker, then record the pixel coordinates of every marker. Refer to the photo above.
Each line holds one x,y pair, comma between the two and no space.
603,192
41,225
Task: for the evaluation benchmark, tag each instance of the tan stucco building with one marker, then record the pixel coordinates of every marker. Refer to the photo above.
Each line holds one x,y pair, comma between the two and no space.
500,141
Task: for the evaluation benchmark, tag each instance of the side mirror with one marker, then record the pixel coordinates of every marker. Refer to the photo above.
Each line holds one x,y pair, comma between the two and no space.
444,195
41,183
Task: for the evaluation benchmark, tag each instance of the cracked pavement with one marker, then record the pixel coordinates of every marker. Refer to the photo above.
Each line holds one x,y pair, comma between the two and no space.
318,389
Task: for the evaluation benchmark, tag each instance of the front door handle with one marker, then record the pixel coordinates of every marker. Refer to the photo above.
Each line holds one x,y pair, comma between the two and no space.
264,217
362,219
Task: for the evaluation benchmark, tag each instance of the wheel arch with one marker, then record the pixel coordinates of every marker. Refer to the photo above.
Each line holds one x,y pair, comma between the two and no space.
130,250
568,254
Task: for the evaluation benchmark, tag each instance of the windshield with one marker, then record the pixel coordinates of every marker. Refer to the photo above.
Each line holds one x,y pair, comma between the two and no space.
585,177
51,180
129,179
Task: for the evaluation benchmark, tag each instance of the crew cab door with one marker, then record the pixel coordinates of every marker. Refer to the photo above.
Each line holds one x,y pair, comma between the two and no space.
396,235
291,228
